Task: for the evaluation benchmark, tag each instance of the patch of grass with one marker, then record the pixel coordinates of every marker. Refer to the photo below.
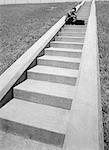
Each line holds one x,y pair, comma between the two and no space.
103,44
22,25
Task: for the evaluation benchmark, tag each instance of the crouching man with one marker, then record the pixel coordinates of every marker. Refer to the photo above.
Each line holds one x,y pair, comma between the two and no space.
71,16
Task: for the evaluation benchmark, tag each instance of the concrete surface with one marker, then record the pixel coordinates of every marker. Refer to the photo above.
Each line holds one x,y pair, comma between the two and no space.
74,26
63,44
58,61
35,121
83,131
65,52
74,30
53,74
10,141
69,39
46,93
73,34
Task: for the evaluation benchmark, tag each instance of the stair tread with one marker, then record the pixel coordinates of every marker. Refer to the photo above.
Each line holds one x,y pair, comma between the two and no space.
70,37
60,58
63,49
73,26
63,42
72,31
47,88
54,71
36,115
76,28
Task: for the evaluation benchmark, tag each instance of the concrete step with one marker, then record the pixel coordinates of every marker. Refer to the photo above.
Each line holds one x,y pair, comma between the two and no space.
84,14
83,18
57,61
69,45
73,34
53,74
75,53
75,26
74,30
37,122
46,93
69,39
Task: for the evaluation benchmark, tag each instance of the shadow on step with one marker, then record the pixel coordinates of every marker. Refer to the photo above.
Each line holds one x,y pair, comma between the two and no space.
77,22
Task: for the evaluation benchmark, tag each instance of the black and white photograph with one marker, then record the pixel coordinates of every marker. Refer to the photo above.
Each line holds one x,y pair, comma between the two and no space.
54,74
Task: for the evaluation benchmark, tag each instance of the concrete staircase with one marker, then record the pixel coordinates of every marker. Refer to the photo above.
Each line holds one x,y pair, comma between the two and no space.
41,105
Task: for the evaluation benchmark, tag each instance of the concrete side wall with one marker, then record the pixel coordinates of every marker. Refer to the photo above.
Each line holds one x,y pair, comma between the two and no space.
85,130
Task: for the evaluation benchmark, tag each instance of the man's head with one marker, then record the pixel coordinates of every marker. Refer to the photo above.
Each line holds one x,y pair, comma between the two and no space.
74,9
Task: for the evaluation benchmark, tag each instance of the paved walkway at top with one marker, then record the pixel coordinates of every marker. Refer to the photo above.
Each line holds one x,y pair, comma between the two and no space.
33,1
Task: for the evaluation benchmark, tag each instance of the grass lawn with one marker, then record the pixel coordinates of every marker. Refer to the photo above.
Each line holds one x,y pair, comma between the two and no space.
103,43
22,25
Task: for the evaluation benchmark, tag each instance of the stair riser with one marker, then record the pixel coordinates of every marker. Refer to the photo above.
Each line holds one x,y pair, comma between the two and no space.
70,65
52,78
44,99
64,45
32,133
63,53
72,34
73,30
66,39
